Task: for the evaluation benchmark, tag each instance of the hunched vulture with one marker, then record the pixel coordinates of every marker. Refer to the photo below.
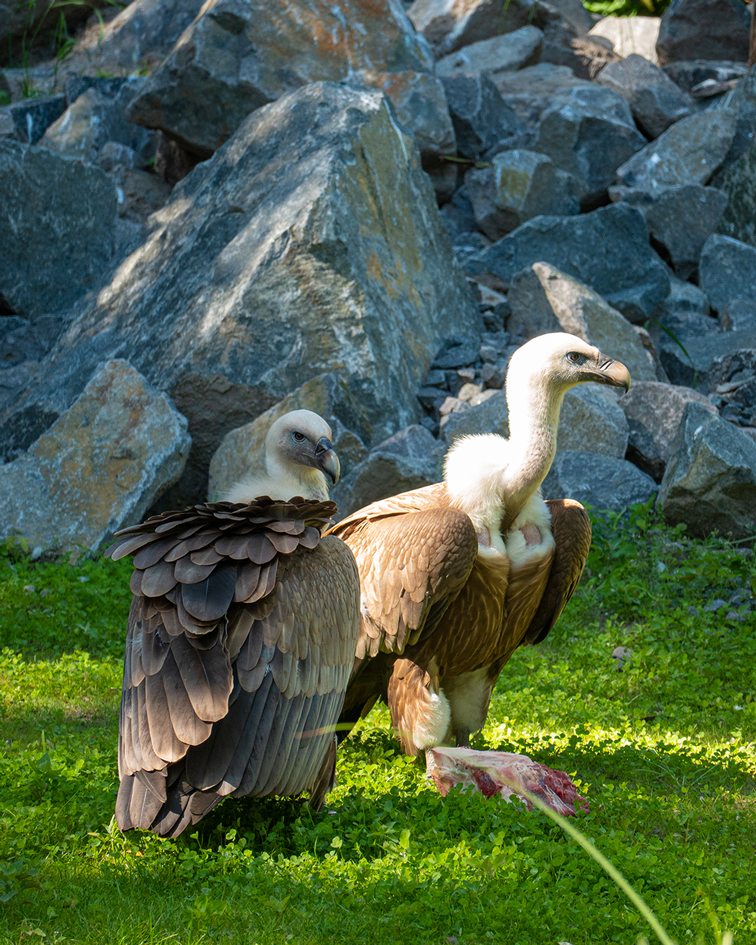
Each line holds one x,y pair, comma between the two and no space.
240,640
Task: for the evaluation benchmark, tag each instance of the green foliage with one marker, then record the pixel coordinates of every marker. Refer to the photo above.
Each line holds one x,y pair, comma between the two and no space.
663,751
627,7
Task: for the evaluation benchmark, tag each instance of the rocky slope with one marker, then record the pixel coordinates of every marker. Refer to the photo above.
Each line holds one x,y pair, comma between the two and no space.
363,209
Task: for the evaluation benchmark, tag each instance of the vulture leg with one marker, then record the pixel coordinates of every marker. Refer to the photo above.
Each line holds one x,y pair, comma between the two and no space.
469,696
419,709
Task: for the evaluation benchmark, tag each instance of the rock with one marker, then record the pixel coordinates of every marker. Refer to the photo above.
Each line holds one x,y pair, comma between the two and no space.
57,228
620,265
738,182
421,107
451,24
18,341
581,311
630,34
410,459
653,412
139,193
492,416
28,120
689,365
140,36
732,379
710,480
481,119
592,420
687,153
704,29
603,482
98,468
530,91
520,185
702,78
112,155
94,119
505,53
727,270
235,58
738,315
585,55
241,451
656,102
680,219
683,297
589,132
530,312
457,355
109,86
310,244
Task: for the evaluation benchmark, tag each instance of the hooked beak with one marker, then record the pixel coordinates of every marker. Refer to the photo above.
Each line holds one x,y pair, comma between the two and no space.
613,373
327,459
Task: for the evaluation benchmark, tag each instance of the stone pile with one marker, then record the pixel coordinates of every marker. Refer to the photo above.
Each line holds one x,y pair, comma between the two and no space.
364,211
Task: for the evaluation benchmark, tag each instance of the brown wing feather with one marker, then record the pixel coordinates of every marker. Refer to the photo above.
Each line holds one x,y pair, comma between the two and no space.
571,528
214,725
414,554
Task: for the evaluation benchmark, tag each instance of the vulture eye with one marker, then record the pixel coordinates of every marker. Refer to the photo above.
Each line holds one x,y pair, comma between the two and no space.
298,436
574,357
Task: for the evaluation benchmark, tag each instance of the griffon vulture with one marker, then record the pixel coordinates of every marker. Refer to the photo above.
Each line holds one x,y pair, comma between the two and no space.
455,576
241,637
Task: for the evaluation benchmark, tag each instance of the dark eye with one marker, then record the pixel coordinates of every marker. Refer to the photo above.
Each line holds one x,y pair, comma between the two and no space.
298,436
574,357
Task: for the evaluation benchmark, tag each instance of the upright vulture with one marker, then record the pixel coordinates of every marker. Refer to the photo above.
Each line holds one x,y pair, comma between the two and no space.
457,575
240,640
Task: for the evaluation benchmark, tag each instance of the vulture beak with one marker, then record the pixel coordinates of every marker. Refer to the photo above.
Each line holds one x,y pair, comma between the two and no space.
613,373
327,460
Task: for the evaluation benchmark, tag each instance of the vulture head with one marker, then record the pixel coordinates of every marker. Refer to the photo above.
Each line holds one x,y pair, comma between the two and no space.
492,478
299,461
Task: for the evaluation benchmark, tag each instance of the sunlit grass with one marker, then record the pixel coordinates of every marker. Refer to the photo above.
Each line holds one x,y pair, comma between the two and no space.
663,751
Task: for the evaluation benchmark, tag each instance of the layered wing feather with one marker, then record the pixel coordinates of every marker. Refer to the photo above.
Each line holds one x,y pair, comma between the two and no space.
240,642
414,555
571,529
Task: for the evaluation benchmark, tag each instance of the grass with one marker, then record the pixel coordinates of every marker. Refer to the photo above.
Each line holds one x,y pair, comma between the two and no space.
663,750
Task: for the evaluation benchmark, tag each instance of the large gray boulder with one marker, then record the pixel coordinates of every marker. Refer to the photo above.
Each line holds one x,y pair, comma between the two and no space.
687,153
94,119
710,480
704,29
310,243
728,270
98,468
237,57
408,460
603,482
505,53
656,102
607,249
589,132
57,229
520,185
530,91
481,118
592,420
28,119
451,24
680,220
630,35
583,312
653,412
738,182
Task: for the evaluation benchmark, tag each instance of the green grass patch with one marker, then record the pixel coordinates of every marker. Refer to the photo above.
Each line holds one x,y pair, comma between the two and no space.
663,751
